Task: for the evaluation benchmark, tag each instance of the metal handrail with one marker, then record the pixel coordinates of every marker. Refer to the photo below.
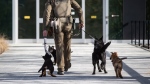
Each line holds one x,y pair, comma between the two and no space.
140,31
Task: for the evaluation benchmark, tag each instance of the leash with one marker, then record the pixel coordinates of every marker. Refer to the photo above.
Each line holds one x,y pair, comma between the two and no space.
91,36
45,48
77,34
74,27
88,34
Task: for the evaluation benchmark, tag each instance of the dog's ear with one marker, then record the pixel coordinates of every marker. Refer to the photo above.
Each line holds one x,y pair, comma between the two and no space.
43,57
95,38
116,53
101,38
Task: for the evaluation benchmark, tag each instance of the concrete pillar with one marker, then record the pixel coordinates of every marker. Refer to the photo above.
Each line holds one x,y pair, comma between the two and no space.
105,20
15,21
37,20
83,8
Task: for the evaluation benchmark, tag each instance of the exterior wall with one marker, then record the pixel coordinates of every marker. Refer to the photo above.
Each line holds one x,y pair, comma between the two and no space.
132,10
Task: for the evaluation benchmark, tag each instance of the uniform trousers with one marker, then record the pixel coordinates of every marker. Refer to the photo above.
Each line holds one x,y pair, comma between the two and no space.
62,37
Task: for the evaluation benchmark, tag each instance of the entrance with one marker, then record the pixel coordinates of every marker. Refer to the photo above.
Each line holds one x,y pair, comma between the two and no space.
29,29
30,21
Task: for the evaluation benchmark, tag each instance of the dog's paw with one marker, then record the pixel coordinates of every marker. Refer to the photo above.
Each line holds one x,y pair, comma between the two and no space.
105,71
93,73
100,71
121,77
44,75
53,75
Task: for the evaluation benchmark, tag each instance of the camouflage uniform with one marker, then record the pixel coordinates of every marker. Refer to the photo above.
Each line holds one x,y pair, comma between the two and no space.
63,36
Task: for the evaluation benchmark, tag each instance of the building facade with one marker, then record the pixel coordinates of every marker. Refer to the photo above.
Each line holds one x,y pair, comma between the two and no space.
21,20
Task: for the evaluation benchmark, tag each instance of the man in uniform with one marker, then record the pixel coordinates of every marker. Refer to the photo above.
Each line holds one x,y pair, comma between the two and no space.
62,33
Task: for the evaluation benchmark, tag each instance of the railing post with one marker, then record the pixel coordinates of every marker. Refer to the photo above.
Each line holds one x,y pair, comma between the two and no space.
143,33
139,33
131,33
135,33
148,34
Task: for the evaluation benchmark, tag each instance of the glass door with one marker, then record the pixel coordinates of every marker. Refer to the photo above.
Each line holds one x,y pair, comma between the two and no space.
115,19
93,18
27,19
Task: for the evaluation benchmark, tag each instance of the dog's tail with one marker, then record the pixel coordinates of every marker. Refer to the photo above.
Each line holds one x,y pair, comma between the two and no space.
105,46
123,58
40,69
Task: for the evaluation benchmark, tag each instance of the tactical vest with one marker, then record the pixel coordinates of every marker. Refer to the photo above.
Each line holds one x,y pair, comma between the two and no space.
62,8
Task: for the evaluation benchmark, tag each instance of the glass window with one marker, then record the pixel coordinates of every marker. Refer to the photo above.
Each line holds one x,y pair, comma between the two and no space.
27,19
6,18
93,17
115,19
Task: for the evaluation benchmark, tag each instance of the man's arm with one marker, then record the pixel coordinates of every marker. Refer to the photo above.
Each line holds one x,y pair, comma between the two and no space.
46,18
46,15
79,10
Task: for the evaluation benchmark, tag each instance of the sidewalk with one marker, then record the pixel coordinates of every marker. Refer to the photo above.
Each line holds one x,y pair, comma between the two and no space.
20,65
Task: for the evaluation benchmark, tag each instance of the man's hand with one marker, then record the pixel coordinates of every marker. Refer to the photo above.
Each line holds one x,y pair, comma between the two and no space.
81,25
45,33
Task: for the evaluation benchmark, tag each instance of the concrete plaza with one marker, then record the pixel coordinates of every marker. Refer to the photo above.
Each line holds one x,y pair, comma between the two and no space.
20,65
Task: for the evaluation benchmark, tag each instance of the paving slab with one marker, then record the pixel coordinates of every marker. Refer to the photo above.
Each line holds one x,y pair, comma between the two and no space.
20,65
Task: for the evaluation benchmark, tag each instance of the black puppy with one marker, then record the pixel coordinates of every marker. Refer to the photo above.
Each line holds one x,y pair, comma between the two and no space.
53,52
48,64
99,54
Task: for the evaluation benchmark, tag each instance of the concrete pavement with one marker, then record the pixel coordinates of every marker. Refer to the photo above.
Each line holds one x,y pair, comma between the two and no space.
19,65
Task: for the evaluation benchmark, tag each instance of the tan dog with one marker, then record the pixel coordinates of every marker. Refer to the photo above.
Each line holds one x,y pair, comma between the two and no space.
117,63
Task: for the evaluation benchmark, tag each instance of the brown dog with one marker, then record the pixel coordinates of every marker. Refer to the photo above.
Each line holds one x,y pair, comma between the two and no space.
117,63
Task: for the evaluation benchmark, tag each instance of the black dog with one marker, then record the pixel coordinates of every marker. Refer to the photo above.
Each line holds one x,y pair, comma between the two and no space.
99,54
53,52
48,64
